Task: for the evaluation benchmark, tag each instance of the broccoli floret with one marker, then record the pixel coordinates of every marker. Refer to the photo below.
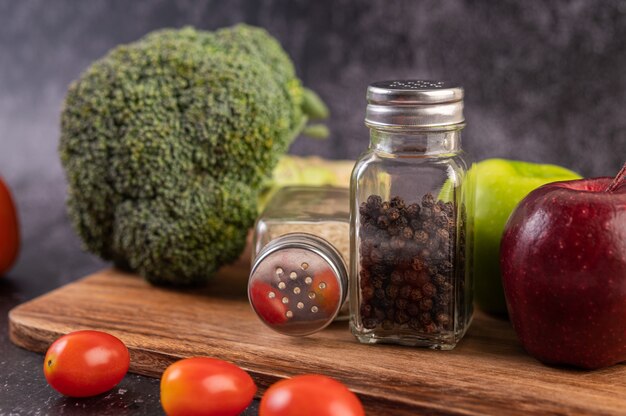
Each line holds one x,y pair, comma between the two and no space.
166,143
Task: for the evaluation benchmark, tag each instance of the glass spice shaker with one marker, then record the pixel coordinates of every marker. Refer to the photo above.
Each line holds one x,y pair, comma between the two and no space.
410,282
299,280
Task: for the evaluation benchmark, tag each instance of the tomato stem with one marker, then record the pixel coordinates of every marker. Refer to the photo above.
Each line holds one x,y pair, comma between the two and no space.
620,179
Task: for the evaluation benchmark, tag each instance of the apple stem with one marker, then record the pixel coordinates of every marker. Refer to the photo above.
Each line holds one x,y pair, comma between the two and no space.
620,179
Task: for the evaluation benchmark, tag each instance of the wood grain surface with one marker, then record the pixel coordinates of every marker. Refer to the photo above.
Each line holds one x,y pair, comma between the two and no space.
488,373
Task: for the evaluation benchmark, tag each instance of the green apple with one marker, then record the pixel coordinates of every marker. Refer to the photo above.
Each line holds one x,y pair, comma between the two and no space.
500,185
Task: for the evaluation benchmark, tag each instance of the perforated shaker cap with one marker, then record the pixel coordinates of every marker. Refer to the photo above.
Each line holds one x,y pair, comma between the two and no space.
298,284
414,103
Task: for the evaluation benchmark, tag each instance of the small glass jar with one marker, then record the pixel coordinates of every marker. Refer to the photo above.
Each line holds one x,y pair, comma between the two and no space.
410,283
299,277
321,211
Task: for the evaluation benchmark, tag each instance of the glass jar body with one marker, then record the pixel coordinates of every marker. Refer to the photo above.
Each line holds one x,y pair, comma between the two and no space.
323,212
410,242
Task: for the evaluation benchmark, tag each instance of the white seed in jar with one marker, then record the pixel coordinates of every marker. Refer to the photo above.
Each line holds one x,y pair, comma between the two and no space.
293,275
282,285
304,266
285,299
322,285
279,271
308,280
311,295
314,309
296,290
271,295
300,305
289,314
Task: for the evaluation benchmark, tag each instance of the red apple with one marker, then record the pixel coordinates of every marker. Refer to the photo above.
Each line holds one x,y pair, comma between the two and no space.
563,259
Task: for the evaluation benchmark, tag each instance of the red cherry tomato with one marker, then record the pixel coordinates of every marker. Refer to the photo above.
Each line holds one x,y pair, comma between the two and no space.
204,386
326,290
310,395
9,230
272,310
86,363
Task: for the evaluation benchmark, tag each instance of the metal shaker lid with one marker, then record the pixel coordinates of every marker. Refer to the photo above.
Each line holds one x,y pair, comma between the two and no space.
298,284
414,103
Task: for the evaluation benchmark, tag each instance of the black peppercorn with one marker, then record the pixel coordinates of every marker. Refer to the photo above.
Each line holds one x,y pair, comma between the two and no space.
445,266
412,309
382,222
397,202
405,291
393,229
418,264
429,290
406,254
443,319
415,324
392,291
367,293
366,310
393,214
401,317
428,200
426,304
402,222
376,255
429,226
420,237
415,295
379,293
396,243
425,318
443,299
370,323
433,243
441,221
397,277
413,211
364,210
374,202
439,280
401,304
430,328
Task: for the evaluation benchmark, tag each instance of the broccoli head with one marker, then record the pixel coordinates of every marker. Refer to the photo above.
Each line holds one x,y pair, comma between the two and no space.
166,143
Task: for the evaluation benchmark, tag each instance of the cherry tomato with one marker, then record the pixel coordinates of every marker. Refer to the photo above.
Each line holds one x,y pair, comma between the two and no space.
310,395
85,363
272,310
203,386
326,290
9,230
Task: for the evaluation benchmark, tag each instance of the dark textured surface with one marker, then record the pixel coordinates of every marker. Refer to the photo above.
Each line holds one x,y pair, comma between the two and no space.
545,82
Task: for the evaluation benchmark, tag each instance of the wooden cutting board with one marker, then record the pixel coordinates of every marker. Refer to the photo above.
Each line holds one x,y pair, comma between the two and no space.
488,373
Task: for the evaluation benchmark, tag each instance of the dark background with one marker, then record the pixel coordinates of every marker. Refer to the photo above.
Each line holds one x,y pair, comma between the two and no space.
544,81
